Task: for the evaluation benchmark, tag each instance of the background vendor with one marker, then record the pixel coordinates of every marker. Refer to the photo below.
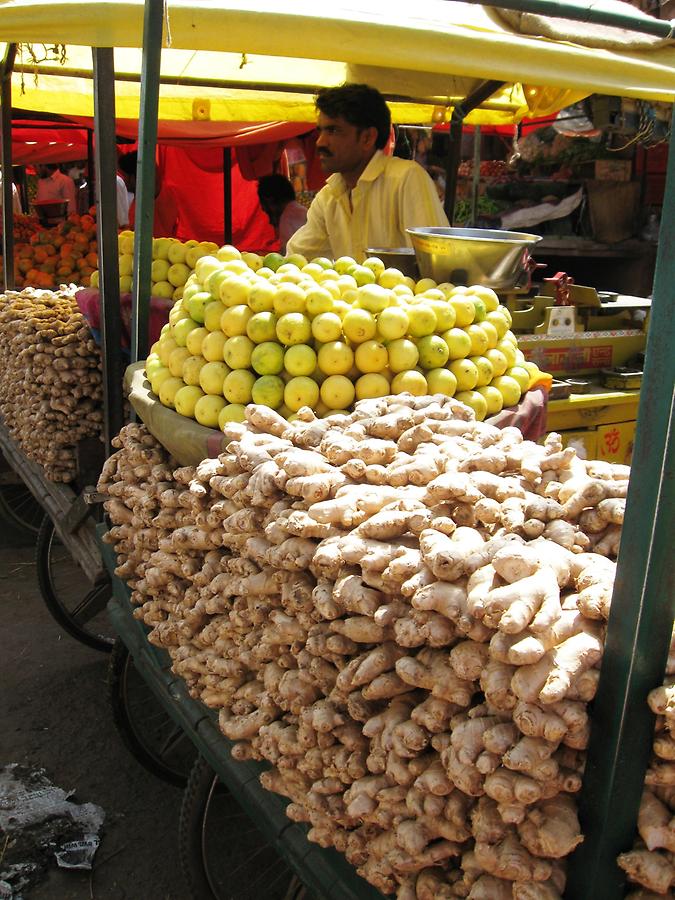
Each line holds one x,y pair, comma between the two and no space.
165,222
277,198
54,186
370,199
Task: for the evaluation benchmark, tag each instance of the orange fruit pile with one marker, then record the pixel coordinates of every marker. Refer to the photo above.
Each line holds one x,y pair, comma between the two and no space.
64,254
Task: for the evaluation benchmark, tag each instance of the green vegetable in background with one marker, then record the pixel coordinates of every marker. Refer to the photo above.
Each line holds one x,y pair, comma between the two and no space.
485,206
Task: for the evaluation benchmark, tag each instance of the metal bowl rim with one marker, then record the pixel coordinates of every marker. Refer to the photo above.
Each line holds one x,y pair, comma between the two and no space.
477,235
404,251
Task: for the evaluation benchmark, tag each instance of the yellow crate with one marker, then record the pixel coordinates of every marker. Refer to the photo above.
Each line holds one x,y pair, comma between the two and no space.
615,442
591,410
584,442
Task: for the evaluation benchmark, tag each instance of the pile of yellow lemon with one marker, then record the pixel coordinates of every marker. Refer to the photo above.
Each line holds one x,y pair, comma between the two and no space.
287,332
173,262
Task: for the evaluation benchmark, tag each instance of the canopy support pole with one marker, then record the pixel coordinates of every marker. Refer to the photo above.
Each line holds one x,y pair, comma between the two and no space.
91,183
227,194
581,12
459,112
642,611
145,176
6,162
106,226
475,176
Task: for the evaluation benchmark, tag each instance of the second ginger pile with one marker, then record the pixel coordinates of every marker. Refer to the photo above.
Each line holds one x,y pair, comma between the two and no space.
51,394
402,610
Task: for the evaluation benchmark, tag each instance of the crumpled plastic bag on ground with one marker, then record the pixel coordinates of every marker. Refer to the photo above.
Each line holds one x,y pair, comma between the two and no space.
39,820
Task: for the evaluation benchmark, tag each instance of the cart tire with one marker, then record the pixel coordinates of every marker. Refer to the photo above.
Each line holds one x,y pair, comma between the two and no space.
223,855
78,607
149,733
20,511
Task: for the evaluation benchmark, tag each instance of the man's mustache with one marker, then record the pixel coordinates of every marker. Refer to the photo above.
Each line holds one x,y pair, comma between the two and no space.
325,153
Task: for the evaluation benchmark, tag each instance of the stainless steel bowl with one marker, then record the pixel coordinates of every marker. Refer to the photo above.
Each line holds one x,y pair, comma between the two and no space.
401,258
495,259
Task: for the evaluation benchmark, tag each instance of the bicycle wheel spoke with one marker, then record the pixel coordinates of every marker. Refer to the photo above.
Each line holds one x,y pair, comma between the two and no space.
173,739
91,605
245,862
20,507
266,875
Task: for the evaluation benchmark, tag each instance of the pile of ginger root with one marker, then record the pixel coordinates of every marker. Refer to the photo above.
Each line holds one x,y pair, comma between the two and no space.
51,391
401,610
651,862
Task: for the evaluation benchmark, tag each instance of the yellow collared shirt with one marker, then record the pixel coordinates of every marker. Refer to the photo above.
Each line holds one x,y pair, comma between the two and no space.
391,195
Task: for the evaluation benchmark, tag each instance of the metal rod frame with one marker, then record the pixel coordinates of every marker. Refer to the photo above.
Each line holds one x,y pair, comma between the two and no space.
643,604
459,113
569,9
6,163
642,611
145,178
91,180
475,175
640,626
227,194
106,226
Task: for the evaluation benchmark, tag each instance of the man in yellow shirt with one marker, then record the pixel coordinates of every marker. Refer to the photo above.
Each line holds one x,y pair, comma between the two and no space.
370,199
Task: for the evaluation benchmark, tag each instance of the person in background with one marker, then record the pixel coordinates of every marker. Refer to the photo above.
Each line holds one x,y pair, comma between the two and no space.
297,165
165,222
277,198
54,186
370,199
16,199
123,203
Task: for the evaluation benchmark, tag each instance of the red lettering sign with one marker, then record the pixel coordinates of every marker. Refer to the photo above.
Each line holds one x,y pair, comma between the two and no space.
612,440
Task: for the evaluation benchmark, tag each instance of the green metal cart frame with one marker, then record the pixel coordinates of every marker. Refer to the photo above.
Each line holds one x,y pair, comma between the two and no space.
326,873
643,605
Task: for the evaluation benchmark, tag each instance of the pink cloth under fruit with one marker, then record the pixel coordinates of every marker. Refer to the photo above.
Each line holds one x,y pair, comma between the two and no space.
88,300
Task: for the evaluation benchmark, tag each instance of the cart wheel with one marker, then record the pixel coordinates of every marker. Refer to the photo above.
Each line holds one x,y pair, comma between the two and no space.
78,607
223,855
20,510
148,731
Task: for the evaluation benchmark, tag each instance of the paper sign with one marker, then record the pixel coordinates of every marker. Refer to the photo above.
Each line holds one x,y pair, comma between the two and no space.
562,321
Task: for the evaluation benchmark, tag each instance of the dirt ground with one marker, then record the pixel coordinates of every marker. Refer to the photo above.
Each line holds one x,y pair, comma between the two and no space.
54,714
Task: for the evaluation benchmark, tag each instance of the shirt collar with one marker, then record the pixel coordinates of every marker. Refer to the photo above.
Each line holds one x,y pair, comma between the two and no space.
373,170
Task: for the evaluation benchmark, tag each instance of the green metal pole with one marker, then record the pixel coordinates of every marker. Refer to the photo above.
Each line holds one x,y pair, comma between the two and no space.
145,177
6,163
582,12
643,607
106,226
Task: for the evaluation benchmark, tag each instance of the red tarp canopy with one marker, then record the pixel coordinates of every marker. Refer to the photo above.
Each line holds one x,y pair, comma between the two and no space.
190,159
208,134
43,142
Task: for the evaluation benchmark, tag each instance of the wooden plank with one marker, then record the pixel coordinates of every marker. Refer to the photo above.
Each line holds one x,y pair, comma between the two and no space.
56,500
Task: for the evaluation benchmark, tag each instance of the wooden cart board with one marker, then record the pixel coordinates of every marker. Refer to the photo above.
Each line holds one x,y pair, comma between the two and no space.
59,502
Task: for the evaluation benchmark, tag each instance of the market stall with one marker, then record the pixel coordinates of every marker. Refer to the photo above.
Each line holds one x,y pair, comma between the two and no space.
599,876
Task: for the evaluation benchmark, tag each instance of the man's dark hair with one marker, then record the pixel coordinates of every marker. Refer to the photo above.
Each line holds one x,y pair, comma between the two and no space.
128,162
358,104
275,187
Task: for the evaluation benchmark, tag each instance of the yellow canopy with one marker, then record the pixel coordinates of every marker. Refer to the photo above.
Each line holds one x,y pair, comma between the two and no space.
425,55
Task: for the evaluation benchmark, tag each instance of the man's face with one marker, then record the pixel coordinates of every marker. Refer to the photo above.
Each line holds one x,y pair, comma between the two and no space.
343,147
43,171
